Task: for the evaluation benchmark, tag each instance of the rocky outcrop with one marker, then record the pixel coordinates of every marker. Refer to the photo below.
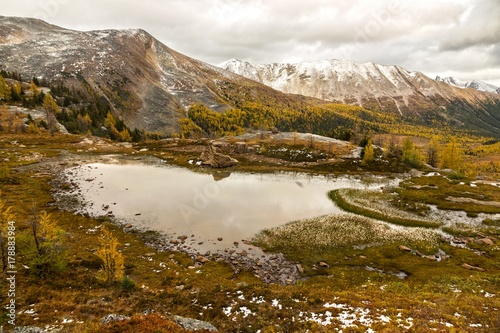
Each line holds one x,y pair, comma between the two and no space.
213,158
240,148
29,329
111,318
194,324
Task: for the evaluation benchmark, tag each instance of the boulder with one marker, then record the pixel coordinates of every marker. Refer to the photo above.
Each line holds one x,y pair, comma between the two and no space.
222,145
487,241
194,324
404,248
202,259
111,318
212,158
240,148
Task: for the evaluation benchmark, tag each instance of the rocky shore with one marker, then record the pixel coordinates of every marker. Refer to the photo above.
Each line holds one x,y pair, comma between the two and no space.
242,256
269,267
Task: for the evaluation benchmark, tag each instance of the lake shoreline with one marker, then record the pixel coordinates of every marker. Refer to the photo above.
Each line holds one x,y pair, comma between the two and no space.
241,254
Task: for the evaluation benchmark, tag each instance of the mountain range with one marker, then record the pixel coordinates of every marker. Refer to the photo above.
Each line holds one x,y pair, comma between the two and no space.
350,82
150,86
474,84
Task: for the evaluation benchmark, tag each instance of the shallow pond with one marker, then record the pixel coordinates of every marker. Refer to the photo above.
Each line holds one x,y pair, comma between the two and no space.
211,207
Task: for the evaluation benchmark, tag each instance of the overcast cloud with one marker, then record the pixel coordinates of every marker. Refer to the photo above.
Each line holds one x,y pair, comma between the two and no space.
458,38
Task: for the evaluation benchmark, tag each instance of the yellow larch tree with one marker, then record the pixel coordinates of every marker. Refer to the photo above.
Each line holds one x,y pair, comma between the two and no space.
112,260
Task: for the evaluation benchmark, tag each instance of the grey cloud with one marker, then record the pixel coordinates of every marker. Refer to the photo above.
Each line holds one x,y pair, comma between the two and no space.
427,35
479,27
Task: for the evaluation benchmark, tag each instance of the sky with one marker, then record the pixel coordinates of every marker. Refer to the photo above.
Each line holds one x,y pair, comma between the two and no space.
459,38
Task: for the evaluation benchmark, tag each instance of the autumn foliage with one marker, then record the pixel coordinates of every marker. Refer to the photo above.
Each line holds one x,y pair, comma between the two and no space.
112,260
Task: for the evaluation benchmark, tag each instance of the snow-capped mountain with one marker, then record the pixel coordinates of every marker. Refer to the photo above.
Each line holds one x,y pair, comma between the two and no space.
368,84
474,84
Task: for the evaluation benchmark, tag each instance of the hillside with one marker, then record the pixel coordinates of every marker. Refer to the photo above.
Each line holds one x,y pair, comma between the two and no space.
144,82
377,87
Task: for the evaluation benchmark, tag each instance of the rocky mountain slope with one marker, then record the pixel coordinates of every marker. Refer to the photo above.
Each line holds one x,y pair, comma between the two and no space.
146,83
474,84
371,85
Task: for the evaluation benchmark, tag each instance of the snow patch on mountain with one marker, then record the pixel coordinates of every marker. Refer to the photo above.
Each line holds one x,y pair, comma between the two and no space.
474,84
334,80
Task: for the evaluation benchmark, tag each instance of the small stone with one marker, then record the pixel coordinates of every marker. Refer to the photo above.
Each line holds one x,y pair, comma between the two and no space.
220,239
243,253
487,241
179,287
404,248
362,257
202,259
473,268
323,264
236,244
172,256
182,238
300,268
174,241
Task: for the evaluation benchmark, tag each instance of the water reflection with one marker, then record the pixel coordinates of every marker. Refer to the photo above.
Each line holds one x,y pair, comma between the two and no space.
231,206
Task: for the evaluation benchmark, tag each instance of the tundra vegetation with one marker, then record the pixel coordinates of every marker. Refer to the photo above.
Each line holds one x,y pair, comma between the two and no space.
387,266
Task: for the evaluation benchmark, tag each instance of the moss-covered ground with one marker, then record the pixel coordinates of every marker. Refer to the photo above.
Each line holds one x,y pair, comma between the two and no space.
344,286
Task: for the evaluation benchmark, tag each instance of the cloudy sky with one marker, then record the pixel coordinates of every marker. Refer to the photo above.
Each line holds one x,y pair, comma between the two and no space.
458,38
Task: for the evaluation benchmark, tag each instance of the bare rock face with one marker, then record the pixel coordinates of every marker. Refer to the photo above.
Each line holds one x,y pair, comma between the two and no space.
213,158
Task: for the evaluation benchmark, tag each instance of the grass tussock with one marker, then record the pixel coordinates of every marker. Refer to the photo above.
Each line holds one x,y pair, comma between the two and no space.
334,231
450,194
376,205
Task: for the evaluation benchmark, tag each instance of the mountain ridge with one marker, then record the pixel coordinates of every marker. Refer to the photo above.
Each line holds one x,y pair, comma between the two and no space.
145,82
350,82
473,84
